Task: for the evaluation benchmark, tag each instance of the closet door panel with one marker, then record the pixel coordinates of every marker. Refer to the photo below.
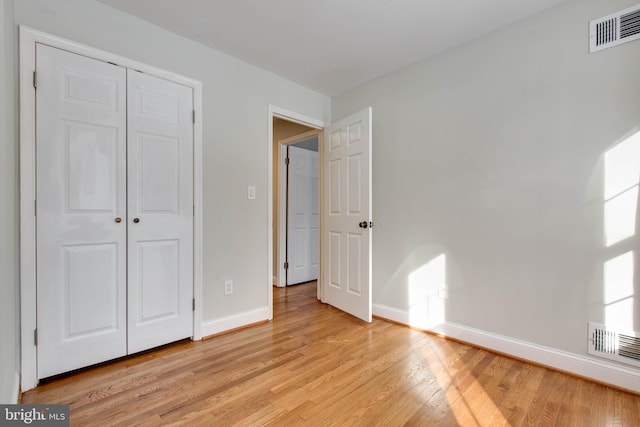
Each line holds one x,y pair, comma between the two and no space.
81,193
160,206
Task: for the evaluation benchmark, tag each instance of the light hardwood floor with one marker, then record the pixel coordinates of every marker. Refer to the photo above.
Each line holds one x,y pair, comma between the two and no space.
314,365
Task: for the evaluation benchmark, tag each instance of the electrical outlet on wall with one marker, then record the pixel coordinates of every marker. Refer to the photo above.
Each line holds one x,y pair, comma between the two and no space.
228,287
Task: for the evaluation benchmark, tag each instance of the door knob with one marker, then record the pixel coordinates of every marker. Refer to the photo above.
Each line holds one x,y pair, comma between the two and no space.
363,224
118,220
136,220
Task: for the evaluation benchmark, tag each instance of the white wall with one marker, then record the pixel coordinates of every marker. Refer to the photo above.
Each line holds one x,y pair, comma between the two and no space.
9,249
492,154
236,98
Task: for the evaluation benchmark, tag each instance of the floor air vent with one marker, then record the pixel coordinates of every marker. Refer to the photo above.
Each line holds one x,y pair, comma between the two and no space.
613,344
615,29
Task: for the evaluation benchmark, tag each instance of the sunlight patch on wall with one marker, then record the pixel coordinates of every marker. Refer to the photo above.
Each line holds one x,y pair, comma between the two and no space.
622,173
620,216
621,179
618,291
427,291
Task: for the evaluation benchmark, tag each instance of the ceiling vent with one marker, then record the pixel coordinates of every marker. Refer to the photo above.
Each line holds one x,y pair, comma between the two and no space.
613,344
615,29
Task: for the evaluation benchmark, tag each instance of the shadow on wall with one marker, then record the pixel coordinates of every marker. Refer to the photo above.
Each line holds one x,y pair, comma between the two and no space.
620,280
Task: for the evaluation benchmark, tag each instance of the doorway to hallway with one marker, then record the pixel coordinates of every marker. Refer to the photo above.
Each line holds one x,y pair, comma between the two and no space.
296,203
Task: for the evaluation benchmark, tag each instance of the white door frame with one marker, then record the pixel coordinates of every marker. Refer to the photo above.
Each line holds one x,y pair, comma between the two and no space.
281,257
281,113
28,323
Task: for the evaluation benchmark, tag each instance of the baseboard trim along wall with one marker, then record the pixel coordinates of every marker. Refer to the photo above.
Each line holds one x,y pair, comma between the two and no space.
217,326
600,371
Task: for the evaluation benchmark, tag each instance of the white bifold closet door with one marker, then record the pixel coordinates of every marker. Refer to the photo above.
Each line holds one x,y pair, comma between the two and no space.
160,205
114,211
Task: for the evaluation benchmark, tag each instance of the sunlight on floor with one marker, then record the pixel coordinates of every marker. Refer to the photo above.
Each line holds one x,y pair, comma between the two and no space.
469,403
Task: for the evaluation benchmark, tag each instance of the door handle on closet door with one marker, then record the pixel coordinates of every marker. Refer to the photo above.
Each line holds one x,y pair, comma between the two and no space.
118,220
136,220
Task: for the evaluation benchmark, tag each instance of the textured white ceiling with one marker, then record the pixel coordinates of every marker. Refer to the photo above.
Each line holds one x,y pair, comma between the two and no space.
331,45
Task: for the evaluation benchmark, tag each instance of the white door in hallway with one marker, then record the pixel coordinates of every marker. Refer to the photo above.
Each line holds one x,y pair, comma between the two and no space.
346,239
114,219
81,211
302,216
160,208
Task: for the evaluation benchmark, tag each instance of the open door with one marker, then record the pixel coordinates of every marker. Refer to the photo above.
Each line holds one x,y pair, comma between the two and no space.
346,215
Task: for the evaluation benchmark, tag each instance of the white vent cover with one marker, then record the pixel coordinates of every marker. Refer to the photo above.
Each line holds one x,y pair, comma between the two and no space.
613,344
615,29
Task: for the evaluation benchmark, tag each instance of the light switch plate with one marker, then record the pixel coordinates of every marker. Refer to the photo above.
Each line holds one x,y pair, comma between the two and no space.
251,192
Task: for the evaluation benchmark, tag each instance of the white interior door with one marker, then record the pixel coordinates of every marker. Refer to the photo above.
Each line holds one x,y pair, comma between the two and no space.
346,240
114,190
302,216
81,206
160,221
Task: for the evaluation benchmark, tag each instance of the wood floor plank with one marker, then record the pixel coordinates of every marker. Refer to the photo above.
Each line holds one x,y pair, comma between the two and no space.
315,365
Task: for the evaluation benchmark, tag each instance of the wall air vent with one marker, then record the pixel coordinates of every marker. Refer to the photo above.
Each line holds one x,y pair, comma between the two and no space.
621,346
615,29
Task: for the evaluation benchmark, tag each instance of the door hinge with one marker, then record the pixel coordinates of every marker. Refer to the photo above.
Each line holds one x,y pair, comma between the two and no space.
287,161
35,80
35,337
193,115
194,304
286,265
35,208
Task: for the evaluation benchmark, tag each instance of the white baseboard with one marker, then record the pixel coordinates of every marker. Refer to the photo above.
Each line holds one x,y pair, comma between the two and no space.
391,313
597,370
217,326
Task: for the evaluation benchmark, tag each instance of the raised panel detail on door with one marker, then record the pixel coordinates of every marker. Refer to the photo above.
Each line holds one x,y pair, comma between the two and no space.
159,280
160,211
92,177
354,243
159,106
80,191
355,185
87,89
335,260
335,186
347,216
91,275
159,171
